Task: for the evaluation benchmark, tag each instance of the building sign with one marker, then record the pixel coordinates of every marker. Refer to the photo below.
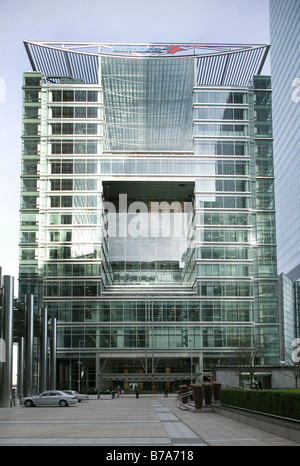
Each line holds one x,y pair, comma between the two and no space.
147,48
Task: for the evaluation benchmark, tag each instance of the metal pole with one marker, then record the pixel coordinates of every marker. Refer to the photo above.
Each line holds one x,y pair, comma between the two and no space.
190,340
29,307
20,378
44,351
53,353
7,335
79,370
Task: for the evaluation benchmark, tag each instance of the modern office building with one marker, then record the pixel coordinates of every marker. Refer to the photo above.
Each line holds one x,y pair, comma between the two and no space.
285,68
147,208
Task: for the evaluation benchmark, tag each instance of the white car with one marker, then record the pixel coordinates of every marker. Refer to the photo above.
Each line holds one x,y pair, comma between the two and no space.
80,396
50,397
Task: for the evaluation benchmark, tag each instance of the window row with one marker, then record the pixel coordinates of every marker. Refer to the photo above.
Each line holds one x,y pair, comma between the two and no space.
223,236
161,337
74,95
28,236
75,147
218,113
31,95
29,202
75,201
148,277
224,270
76,251
29,184
152,166
78,235
75,128
32,80
238,148
227,288
204,185
218,130
79,289
31,113
169,312
81,184
30,167
222,202
220,97
262,98
75,112
224,253
223,219
72,270
201,185
80,218
78,166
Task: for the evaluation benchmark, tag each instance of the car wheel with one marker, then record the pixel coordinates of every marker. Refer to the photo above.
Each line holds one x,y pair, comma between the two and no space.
63,403
29,404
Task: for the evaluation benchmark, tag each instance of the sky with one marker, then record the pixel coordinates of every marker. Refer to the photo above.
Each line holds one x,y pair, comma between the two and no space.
120,21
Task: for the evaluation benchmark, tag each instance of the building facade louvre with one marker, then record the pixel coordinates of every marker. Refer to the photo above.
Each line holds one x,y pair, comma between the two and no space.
147,209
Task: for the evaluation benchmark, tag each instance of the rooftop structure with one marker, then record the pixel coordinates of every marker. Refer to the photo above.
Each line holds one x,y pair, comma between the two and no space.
216,64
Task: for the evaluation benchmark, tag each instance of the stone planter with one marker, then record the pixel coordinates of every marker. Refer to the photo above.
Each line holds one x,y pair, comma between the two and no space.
183,389
105,397
207,389
198,395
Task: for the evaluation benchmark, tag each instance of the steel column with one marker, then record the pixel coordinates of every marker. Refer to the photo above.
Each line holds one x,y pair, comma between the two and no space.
29,308
20,379
7,340
53,353
44,351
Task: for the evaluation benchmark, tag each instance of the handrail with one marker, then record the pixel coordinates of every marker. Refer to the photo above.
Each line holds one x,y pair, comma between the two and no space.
180,396
236,386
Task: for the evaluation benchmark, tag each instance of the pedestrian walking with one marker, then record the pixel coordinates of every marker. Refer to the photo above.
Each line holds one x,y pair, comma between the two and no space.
260,384
137,391
166,391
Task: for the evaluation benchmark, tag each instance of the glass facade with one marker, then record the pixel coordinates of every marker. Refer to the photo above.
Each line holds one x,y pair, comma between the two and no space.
285,67
285,45
289,320
148,220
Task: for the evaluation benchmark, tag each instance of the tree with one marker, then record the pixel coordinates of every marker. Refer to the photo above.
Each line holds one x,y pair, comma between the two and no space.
294,366
247,361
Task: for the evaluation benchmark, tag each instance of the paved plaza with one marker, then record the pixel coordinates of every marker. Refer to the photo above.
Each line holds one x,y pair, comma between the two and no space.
127,421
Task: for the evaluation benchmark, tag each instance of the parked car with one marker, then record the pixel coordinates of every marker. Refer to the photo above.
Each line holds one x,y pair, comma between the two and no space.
80,396
50,397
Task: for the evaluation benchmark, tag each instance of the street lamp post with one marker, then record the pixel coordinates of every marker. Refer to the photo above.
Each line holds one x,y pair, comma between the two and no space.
79,368
190,341
282,364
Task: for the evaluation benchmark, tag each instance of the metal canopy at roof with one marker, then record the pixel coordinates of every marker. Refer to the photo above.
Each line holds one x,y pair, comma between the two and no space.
216,64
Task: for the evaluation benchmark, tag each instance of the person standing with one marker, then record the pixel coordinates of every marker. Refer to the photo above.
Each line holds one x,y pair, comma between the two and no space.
166,391
137,391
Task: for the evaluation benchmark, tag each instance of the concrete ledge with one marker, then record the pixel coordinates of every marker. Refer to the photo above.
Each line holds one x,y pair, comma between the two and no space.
283,427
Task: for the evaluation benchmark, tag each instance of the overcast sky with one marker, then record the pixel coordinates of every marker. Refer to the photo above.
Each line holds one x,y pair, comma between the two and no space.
213,21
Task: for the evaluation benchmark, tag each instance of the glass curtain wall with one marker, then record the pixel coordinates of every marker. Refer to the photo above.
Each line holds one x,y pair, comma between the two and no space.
150,142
